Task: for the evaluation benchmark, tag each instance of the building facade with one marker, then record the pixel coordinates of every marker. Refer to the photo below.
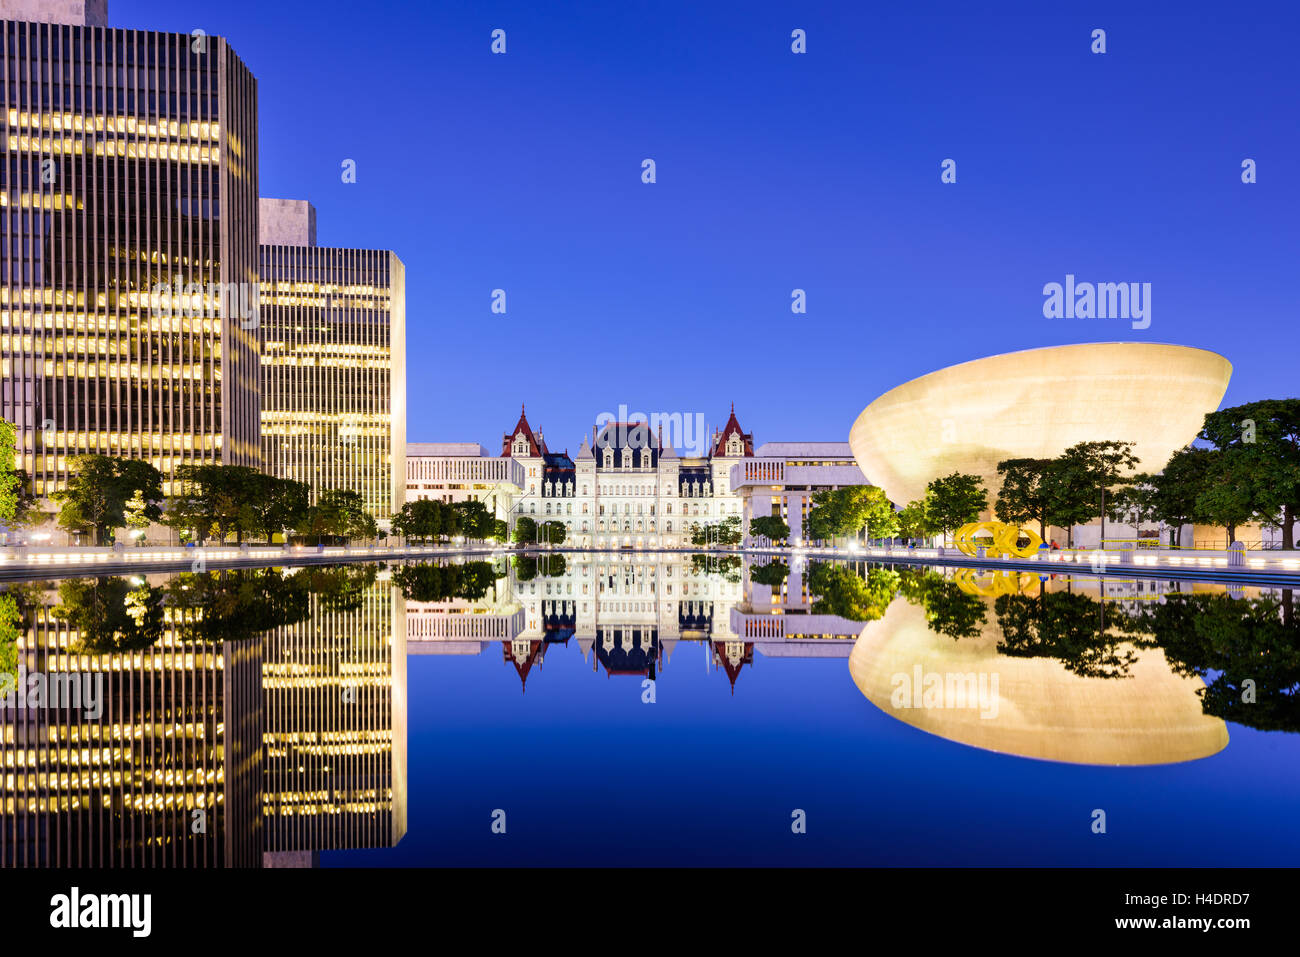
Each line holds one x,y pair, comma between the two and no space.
782,478
128,244
333,358
626,487
462,472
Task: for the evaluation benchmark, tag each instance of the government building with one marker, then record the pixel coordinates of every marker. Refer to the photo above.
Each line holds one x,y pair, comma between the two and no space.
627,486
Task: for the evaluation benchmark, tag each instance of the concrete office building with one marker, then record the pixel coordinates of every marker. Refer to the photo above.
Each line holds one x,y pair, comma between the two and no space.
333,343
782,478
128,243
462,472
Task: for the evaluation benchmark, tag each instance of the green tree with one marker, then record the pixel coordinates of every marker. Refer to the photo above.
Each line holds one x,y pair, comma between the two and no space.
913,522
1133,504
847,511
1231,495
1027,493
213,500
94,499
551,532
338,514
724,532
525,530
475,520
1267,435
10,482
1176,489
136,519
27,510
423,519
1084,475
955,500
277,504
771,527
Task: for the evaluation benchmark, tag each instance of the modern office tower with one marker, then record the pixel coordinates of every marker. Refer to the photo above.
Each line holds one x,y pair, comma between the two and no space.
333,338
335,705
128,243
144,748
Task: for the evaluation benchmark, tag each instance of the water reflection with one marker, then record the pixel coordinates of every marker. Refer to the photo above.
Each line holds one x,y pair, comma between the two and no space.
258,717
234,718
1080,669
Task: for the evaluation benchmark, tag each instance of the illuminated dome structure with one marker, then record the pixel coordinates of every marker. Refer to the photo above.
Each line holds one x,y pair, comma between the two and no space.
1037,708
1036,404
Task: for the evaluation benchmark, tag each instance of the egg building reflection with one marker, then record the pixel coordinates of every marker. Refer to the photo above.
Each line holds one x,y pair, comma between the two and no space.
1071,688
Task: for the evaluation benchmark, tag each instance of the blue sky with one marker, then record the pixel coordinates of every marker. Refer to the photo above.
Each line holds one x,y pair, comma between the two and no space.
777,171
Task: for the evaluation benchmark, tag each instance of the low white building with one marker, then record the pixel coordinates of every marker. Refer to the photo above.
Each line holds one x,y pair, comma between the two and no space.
782,478
462,472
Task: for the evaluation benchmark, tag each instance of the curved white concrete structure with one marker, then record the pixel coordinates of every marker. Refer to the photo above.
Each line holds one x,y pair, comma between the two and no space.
1036,404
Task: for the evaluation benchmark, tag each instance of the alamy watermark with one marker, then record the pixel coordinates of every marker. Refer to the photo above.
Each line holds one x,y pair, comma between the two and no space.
683,431
211,300
57,691
947,690
1102,300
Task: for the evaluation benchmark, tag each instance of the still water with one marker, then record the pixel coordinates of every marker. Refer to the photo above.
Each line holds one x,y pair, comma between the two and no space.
647,710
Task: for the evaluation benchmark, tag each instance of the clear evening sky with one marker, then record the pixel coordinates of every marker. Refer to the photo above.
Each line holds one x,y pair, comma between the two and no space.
778,171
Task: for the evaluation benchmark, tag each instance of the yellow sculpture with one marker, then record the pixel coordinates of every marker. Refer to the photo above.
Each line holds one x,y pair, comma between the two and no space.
1003,540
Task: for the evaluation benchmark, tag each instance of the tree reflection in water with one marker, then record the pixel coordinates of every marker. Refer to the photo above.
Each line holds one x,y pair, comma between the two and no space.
1246,650
119,614
840,590
428,582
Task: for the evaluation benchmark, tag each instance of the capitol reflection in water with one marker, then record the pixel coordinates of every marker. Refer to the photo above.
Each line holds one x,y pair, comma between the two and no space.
259,717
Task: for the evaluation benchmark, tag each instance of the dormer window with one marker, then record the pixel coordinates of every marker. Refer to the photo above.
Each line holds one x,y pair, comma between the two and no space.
609,458
645,458
521,446
627,459
734,446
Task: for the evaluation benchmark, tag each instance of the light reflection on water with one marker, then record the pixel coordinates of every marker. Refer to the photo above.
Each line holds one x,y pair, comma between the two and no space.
261,717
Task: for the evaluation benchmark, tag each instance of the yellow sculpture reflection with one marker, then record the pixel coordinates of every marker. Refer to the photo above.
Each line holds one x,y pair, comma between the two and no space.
992,584
1000,540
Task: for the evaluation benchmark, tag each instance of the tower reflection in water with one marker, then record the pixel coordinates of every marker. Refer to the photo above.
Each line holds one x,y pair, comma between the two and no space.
257,718
244,718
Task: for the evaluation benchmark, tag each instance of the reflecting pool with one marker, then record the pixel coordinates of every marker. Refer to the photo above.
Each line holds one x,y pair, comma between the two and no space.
646,709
